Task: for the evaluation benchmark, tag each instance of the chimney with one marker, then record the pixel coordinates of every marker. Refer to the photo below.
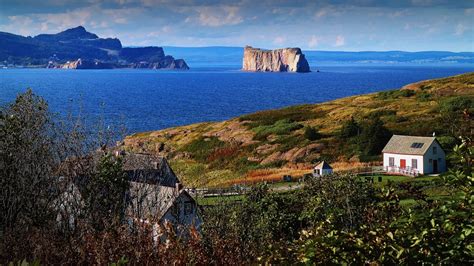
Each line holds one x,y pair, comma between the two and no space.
434,134
178,186
154,164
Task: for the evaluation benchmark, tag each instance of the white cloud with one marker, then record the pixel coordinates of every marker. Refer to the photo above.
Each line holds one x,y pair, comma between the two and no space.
460,29
313,42
20,25
217,16
422,2
340,41
279,40
331,11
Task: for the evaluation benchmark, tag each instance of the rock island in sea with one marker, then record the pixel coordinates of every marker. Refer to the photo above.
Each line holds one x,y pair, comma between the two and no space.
279,60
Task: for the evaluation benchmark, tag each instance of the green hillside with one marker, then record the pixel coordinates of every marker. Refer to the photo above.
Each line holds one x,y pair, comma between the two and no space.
347,132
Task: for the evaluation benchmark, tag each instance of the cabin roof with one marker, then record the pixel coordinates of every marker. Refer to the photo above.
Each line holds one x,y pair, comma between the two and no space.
323,165
412,145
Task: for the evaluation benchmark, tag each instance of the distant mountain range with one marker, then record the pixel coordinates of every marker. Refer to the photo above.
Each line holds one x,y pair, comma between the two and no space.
78,48
232,57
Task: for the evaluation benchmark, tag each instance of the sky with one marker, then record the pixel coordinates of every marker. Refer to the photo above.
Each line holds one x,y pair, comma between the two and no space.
340,25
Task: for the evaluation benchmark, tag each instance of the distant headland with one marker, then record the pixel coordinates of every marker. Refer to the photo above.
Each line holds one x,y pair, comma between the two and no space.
79,49
279,60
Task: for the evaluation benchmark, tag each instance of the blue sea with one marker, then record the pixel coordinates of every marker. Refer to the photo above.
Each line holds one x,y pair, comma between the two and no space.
144,100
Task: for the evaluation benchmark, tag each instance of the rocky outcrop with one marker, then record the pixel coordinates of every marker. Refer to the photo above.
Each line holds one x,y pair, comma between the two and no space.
279,60
84,64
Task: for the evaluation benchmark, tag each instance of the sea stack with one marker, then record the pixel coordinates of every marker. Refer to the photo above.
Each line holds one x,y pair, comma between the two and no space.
279,60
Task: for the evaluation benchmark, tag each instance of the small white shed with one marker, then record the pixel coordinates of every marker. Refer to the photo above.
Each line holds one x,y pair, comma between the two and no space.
413,155
322,169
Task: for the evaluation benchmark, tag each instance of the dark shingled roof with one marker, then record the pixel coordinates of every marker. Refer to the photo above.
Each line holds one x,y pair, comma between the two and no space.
146,168
412,145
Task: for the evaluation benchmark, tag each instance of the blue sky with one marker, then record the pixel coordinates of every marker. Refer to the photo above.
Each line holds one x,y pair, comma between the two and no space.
351,25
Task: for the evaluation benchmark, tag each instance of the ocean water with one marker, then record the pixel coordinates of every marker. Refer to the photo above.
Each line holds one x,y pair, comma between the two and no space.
144,100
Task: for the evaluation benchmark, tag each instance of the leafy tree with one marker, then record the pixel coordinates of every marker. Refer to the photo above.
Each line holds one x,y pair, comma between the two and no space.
105,193
28,157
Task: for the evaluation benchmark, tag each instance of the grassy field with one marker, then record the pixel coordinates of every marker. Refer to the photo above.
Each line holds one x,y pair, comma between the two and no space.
269,144
424,183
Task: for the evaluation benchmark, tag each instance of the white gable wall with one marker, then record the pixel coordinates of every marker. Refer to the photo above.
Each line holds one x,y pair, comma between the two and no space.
322,172
440,156
407,157
177,215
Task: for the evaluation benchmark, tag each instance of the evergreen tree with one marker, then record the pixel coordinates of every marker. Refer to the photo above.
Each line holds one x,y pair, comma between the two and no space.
374,137
311,133
349,129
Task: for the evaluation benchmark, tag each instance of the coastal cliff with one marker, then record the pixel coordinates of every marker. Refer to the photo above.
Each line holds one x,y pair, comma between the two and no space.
279,60
77,48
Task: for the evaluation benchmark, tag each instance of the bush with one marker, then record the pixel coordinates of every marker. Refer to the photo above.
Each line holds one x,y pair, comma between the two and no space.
395,94
424,96
311,133
293,113
381,113
456,104
202,147
280,127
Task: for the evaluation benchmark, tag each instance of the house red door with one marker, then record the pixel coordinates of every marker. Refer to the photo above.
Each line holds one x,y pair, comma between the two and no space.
403,163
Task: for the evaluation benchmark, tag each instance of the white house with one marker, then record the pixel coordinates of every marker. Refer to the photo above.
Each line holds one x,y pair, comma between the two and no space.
411,155
322,169
156,194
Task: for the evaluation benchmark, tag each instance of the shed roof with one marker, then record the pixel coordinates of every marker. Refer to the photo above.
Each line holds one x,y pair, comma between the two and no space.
412,145
323,165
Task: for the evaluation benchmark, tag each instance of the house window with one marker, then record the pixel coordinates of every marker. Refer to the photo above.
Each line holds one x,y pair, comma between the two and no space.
431,161
175,210
391,161
416,145
414,163
316,171
435,150
188,208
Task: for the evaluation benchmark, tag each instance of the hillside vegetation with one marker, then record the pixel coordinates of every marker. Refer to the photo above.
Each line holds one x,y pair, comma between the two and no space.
347,132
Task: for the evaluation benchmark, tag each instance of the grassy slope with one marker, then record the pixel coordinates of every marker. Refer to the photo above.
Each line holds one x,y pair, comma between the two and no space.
268,144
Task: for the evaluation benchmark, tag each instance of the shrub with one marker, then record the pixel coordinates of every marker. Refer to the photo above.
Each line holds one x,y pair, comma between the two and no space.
202,147
424,96
395,94
311,133
456,104
270,117
280,127
381,113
